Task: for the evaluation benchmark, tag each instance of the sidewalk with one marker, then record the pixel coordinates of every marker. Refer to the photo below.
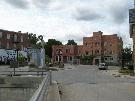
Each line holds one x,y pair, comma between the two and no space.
116,73
53,93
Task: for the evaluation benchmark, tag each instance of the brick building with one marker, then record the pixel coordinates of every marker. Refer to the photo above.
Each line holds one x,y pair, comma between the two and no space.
64,53
104,48
13,40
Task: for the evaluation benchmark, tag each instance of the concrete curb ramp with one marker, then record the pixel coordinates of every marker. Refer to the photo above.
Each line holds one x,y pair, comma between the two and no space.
53,92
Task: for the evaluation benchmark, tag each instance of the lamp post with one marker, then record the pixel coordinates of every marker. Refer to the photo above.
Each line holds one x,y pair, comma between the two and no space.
16,42
122,59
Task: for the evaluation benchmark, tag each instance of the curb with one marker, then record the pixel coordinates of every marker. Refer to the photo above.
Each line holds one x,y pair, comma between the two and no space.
57,91
53,93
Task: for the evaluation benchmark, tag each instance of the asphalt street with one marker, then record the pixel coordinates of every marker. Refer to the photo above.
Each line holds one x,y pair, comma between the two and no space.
87,83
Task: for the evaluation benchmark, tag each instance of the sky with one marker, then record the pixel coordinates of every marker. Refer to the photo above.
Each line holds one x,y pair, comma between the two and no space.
67,19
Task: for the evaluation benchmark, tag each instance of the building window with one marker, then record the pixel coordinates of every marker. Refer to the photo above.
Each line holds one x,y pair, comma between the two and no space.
8,36
21,38
56,58
70,58
105,43
14,45
111,52
97,43
15,38
86,52
97,52
22,47
7,45
67,50
111,59
0,34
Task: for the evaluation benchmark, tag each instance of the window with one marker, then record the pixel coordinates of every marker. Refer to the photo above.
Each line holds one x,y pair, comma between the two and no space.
0,34
96,51
7,45
21,38
8,36
111,58
86,52
14,45
15,38
92,52
67,50
70,58
105,43
110,52
22,47
97,43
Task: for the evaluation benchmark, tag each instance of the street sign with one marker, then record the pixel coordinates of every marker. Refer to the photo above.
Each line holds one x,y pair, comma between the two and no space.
131,15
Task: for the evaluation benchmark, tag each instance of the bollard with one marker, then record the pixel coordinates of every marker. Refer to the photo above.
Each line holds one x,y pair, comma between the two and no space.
50,74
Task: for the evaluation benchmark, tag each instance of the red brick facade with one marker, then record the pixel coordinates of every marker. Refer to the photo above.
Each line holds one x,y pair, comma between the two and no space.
104,48
9,39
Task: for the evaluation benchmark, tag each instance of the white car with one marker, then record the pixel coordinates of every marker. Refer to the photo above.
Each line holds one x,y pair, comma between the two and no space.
102,66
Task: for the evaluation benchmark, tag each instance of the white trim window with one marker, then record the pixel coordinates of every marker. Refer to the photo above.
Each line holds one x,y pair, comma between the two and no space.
21,38
8,36
22,47
7,45
15,38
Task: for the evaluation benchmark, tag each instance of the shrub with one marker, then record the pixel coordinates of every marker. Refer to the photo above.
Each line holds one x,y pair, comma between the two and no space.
32,66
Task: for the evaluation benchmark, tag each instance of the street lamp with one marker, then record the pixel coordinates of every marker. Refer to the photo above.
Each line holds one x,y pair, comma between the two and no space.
122,59
16,42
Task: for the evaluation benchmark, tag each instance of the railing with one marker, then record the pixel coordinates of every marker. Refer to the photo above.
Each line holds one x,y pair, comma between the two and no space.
41,93
19,73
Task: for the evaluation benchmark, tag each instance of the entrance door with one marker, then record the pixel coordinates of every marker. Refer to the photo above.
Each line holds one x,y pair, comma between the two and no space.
96,61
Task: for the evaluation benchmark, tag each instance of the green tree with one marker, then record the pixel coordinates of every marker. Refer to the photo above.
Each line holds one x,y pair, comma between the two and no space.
87,59
127,55
71,42
48,46
33,39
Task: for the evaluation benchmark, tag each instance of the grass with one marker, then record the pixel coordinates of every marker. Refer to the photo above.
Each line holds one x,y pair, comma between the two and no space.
127,72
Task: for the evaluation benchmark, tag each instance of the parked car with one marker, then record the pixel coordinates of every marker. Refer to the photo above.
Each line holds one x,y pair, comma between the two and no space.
102,66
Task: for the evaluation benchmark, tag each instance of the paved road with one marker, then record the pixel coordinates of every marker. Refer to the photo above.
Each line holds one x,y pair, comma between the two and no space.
87,83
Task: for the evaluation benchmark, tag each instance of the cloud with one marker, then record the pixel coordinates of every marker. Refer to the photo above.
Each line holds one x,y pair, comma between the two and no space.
118,10
22,4
41,3
87,15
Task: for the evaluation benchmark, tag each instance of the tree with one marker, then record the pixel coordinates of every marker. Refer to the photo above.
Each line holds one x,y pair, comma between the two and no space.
33,39
71,42
48,46
126,56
